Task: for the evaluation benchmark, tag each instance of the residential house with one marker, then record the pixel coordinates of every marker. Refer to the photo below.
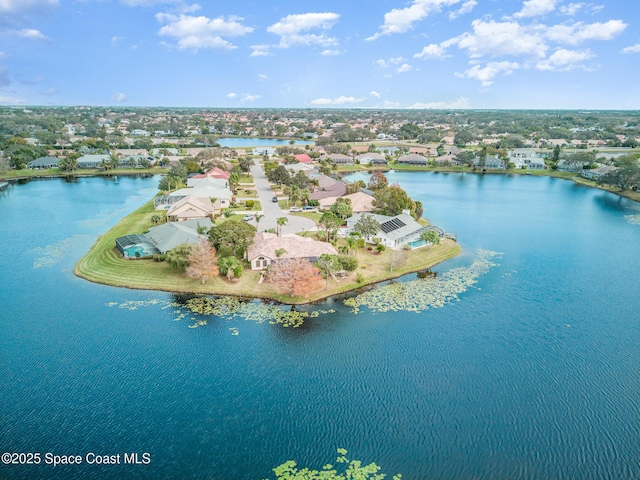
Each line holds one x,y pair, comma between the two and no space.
303,158
526,158
371,158
214,172
413,159
395,232
360,202
595,173
340,159
260,151
266,246
43,163
169,235
190,208
490,161
92,161
328,187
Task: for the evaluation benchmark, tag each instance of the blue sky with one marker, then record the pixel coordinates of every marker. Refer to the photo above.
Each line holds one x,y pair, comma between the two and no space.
565,54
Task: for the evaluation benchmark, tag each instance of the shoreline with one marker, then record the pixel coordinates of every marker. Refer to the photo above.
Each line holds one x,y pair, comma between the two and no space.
103,265
630,194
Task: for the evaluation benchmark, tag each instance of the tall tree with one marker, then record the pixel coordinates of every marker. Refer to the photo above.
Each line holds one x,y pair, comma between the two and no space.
235,235
295,276
367,226
280,222
392,201
329,264
202,261
378,181
431,237
342,208
330,223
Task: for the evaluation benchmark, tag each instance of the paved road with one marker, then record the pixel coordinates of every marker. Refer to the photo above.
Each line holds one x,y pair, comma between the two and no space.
272,210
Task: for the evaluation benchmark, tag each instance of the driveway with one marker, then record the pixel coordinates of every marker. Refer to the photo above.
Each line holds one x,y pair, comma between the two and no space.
272,209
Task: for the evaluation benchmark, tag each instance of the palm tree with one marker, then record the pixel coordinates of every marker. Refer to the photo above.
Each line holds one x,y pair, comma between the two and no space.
295,194
258,217
280,221
156,219
279,252
287,191
305,196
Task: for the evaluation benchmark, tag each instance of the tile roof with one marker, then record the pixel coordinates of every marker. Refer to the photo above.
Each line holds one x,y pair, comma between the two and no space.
265,245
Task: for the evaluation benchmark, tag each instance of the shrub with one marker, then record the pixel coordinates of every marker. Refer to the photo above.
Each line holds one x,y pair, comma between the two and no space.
250,204
380,248
360,278
348,263
159,257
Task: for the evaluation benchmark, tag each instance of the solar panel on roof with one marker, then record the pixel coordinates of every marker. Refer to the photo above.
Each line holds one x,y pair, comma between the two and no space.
391,225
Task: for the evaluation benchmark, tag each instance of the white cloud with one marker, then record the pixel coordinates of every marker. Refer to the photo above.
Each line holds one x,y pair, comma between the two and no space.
247,98
405,67
632,49
26,7
116,39
400,20
534,8
466,7
29,34
576,33
389,104
337,101
382,63
460,103
202,32
262,77
487,73
12,101
431,51
397,60
260,51
500,38
290,29
330,52
571,9
564,60
231,95
151,3
118,97
373,93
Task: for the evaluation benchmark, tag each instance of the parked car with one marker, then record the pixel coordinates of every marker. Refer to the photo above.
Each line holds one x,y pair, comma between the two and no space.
295,209
274,199
247,217
307,208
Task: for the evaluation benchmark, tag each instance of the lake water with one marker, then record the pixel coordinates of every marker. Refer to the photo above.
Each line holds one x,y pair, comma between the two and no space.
532,372
233,142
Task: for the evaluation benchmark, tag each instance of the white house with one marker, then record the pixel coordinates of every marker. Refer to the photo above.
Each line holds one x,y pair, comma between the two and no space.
395,231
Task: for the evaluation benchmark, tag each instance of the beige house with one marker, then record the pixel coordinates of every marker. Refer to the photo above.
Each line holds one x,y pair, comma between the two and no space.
267,246
190,208
360,202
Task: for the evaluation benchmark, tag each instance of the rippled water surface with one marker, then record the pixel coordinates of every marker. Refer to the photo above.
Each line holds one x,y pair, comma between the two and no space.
533,371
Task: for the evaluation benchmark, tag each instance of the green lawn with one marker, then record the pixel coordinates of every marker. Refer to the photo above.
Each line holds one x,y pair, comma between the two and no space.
103,264
84,172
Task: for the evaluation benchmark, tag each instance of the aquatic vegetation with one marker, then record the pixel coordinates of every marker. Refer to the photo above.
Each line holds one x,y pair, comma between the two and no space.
419,295
54,253
227,308
635,219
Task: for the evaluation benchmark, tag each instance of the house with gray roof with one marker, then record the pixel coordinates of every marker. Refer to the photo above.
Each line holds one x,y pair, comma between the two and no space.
171,234
413,159
371,158
340,159
92,161
43,163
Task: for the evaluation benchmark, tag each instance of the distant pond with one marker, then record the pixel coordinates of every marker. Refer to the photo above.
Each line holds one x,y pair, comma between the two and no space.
519,360
258,142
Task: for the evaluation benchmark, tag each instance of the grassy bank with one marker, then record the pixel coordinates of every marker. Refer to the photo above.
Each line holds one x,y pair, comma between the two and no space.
103,264
85,172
